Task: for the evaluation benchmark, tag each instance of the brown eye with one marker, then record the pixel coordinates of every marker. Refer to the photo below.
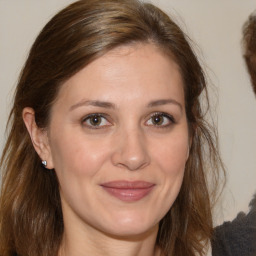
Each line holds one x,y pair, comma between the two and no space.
157,119
95,120
160,120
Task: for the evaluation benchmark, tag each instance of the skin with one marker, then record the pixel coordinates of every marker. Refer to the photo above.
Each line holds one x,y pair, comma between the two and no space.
137,82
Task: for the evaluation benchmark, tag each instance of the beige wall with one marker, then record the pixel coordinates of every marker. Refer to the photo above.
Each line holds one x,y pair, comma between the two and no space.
216,28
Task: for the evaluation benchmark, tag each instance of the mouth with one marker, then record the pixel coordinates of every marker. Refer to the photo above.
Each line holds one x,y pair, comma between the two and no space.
128,191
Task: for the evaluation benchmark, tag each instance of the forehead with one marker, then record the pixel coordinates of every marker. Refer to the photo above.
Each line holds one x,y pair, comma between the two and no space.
129,71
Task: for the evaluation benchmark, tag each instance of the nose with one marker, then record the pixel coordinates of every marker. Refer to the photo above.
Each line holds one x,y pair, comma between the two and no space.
130,151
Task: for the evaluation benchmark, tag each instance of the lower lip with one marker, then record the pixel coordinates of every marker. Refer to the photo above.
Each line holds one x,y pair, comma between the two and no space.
129,194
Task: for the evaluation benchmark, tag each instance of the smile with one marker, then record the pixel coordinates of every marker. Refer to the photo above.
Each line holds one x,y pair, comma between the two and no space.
128,191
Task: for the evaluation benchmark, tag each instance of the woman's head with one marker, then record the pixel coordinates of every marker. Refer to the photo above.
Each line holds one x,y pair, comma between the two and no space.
85,33
118,141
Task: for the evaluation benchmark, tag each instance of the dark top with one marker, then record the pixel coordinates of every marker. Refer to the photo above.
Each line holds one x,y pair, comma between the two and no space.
238,237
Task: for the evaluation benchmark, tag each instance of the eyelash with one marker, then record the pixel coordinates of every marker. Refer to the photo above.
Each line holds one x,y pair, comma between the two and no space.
171,119
96,115
89,117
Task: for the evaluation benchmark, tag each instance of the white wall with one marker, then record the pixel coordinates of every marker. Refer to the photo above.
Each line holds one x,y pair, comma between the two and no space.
216,28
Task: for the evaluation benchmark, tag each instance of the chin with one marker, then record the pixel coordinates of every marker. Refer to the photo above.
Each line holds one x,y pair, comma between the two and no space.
132,227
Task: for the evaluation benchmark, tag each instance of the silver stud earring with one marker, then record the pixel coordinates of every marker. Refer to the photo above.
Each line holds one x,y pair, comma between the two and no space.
44,163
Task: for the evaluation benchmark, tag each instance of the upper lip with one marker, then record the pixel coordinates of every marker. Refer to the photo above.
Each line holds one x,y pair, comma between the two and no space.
122,184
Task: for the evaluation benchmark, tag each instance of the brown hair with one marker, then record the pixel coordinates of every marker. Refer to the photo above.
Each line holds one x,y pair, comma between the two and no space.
249,43
30,208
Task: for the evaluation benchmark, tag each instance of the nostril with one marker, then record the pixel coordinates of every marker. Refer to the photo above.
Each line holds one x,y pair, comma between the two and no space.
131,157
132,165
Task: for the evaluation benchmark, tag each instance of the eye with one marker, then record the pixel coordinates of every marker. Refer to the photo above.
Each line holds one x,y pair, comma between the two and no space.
160,119
96,121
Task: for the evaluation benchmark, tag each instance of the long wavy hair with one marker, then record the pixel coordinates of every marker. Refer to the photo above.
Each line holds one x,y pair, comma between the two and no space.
31,220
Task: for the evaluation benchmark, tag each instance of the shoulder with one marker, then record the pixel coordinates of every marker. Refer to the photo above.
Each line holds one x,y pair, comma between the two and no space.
237,237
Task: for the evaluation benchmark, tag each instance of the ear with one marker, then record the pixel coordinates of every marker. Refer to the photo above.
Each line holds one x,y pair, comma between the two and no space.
39,137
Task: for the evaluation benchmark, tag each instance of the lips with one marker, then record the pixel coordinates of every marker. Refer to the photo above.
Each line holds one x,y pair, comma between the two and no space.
128,191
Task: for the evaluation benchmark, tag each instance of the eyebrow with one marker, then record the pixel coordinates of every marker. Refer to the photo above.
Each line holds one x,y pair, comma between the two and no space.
95,103
164,102
105,104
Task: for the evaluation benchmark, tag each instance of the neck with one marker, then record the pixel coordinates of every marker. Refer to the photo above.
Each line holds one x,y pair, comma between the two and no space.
97,243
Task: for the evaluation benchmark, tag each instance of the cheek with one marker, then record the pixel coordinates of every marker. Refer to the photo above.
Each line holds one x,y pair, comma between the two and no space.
171,155
170,158
77,155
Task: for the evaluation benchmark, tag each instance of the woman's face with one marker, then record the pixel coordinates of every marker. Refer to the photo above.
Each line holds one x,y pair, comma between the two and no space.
118,138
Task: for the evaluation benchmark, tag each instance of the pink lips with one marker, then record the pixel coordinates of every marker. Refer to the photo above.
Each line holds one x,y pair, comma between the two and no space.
128,191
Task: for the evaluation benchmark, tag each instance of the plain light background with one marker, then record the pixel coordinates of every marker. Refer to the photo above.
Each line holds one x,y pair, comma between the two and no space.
215,27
